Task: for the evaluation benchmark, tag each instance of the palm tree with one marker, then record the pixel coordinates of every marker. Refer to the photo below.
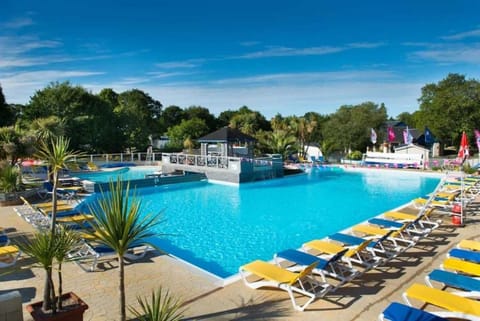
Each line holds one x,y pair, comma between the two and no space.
42,247
66,240
120,224
56,154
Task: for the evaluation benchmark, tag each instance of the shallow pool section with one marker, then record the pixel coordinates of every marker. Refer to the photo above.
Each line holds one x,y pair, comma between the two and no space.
219,227
125,173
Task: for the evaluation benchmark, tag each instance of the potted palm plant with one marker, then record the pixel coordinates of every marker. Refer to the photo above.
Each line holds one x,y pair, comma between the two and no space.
52,246
50,252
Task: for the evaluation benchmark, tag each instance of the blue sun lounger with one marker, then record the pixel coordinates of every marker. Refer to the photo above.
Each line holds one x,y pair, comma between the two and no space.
412,227
453,280
466,255
385,223
400,312
375,247
331,267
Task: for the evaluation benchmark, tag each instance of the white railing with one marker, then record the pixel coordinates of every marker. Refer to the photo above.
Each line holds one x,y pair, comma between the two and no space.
120,157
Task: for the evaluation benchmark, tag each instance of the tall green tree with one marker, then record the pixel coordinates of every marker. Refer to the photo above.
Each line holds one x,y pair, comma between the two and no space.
204,114
450,107
56,153
7,115
119,224
171,116
193,128
138,117
349,127
249,121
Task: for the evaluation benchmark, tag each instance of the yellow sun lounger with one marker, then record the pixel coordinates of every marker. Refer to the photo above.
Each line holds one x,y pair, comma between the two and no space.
395,237
461,266
469,245
465,308
355,254
9,255
75,219
423,222
273,276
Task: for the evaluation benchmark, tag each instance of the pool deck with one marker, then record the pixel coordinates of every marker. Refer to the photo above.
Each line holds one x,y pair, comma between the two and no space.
204,299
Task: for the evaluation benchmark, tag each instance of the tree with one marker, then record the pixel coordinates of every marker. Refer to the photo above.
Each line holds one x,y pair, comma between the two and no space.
249,121
407,119
171,116
119,224
56,153
224,117
349,127
193,128
138,117
204,114
15,143
279,141
450,107
47,128
7,115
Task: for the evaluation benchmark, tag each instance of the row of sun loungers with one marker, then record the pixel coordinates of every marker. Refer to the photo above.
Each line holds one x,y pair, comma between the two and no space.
87,254
347,255
336,260
458,278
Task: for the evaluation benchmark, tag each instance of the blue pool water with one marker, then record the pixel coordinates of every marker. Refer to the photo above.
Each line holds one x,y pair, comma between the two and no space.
125,173
219,227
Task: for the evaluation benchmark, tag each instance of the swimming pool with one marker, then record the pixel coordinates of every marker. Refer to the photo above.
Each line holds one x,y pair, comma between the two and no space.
126,173
220,227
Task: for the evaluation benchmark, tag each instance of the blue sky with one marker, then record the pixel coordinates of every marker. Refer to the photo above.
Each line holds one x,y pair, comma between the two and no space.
287,57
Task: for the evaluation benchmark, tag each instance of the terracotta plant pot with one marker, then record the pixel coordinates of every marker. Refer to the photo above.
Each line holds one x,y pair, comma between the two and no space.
73,310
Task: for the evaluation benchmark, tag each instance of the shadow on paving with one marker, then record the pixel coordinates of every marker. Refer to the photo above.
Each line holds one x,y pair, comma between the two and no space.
267,309
28,294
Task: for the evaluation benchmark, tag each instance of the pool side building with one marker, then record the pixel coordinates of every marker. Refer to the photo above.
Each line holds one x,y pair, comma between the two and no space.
225,155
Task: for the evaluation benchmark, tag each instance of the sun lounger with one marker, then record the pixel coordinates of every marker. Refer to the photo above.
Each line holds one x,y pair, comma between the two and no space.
398,236
469,245
454,280
466,255
88,252
273,276
461,266
400,312
9,255
422,220
378,246
331,267
4,240
355,255
462,307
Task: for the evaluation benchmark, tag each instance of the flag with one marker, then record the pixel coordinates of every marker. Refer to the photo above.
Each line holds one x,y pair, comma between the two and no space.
477,138
463,151
391,134
407,137
428,136
373,136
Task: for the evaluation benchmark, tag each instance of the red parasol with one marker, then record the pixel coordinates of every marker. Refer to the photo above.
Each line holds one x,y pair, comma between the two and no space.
463,151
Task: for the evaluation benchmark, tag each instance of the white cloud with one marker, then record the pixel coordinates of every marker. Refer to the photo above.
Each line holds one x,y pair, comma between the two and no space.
290,99
451,54
191,63
463,35
285,51
18,23
18,87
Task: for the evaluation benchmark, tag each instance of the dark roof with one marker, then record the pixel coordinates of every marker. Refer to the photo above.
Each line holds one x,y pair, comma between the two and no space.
226,134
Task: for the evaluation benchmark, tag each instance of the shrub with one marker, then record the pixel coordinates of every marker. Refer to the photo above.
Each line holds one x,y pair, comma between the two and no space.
9,179
355,155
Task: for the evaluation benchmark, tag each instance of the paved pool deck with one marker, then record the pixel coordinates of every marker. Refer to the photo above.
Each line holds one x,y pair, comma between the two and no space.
205,299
